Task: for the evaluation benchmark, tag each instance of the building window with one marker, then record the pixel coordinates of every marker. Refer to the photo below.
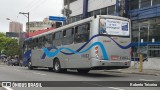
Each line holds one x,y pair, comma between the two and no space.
79,17
155,2
73,19
134,4
91,14
155,29
154,50
145,3
111,10
104,11
135,31
97,12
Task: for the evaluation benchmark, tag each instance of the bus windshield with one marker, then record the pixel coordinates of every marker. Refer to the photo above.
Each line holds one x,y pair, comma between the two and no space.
114,27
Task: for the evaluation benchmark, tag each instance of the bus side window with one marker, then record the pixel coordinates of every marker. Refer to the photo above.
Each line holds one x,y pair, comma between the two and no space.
29,44
67,36
57,40
48,40
40,39
36,43
25,46
64,33
82,33
43,41
53,36
33,43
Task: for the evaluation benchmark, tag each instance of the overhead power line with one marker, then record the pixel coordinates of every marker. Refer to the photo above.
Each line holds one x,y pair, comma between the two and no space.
30,5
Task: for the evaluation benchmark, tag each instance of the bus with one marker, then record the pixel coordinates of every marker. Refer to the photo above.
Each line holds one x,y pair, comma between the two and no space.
96,43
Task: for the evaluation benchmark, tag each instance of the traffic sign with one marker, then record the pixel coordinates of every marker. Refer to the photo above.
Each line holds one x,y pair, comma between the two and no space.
55,18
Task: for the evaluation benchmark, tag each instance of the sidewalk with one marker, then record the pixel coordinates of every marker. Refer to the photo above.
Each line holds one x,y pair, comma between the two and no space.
132,70
2,63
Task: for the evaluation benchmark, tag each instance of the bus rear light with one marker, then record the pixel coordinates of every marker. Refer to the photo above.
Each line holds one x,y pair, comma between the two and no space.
96,52
125,63
96,49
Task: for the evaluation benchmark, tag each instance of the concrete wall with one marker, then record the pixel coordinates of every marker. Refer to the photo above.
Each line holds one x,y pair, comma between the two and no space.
97,4
77,6
152,63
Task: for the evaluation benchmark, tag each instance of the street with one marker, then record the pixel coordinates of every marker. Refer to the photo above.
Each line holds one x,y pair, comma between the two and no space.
16,73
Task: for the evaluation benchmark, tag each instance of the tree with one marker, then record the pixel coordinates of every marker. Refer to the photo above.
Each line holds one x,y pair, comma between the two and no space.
9,46
2,34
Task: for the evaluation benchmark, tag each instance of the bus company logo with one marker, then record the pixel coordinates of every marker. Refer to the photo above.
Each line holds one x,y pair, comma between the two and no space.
6,84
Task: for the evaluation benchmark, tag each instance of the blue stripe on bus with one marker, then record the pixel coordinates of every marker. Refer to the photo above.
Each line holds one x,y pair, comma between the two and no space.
122,47
52,54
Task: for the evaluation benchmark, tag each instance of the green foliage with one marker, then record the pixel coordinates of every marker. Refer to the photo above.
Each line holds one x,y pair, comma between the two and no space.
9,46
2,34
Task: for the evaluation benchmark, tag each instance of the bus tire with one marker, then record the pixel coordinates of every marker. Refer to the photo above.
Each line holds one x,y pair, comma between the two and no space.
30,67
83,70
57,66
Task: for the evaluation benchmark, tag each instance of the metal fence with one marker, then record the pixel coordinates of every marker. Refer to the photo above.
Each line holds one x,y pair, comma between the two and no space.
153,50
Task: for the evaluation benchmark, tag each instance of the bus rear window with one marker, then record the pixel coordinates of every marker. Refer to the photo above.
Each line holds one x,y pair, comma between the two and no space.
114,27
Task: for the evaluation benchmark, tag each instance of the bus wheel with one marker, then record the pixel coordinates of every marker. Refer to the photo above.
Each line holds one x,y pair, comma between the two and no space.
30,65
83,70
57,66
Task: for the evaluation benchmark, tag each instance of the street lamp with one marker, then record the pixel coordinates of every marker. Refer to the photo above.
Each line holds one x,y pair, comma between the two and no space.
28,20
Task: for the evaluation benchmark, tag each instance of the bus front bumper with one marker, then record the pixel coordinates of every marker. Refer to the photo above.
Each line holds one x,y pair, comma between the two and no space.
109,64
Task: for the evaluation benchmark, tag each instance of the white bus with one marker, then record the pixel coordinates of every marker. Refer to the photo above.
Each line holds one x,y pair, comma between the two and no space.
95,43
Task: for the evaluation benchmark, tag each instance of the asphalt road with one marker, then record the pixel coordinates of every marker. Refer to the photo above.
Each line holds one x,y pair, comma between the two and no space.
16,73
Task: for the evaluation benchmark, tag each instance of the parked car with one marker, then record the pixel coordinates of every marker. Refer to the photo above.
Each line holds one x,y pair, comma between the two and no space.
21,63
13,62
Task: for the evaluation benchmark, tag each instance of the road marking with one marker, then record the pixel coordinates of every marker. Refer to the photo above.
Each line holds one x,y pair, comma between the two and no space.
145,80
115,88
39,73
7,88
17,70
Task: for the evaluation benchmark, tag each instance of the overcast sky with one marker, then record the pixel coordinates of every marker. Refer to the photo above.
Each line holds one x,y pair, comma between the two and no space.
39,9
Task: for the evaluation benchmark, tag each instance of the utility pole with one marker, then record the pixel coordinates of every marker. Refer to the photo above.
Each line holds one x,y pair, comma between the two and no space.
68,7
28,22
67,11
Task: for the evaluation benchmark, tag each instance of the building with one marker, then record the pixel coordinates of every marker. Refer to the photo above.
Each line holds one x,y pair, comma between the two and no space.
92,7
39,25
15,27
144,15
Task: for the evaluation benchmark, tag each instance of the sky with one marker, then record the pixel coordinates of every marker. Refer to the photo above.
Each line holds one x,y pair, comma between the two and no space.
38,9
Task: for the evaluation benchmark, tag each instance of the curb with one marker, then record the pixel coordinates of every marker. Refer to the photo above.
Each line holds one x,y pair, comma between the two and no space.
132,72
142,73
